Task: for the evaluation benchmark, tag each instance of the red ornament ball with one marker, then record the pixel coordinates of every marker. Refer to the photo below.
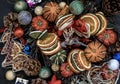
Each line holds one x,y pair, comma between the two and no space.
18,32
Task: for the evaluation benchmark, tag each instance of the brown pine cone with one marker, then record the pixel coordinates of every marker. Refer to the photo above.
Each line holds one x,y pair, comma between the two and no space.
11,19
31,67
111,7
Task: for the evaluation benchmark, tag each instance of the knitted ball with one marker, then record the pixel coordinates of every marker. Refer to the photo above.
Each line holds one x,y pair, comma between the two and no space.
76,7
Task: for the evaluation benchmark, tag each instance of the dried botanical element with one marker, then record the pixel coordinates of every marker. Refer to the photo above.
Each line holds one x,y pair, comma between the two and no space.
18,62
63,11
51,11
97,74
11,19
59,57
31,67
95,51
39,23
65,21
111,7
11,49
93,22
108,37
65,70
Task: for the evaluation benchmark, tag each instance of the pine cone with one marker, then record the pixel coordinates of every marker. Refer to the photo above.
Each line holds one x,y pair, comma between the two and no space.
10,20
31,67
111,7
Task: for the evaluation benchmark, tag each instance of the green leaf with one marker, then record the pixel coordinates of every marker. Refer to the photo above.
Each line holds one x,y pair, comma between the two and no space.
35,34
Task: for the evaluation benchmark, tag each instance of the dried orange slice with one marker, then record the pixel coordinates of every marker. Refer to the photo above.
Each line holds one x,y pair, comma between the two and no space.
73,62
103,22
83,60
64,21
50,39
53,51
93,21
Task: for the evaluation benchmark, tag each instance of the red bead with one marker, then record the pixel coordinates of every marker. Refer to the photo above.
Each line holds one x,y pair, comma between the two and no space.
18,32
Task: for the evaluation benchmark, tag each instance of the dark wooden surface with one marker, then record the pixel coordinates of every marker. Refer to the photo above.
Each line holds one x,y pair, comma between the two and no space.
5,8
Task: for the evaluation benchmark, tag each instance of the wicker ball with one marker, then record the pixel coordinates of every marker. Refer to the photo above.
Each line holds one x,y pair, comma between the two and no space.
95,51
50,11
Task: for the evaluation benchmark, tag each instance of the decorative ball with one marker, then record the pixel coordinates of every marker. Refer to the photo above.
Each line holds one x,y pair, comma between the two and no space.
51,11
116,56
10,75
44,72
18,32
76,7
62,4
20,5
65,70
27,50
31,3
95,51
39,23
38,10
108,37
55,67
24,17
113,64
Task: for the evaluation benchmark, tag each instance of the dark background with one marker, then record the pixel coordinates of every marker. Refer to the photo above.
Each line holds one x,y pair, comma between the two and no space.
5,8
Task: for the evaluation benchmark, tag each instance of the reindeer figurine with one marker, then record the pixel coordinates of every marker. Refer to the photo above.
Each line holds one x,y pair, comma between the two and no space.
69,39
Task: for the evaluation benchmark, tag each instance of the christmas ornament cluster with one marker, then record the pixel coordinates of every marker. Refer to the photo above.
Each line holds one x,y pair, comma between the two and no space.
60,41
